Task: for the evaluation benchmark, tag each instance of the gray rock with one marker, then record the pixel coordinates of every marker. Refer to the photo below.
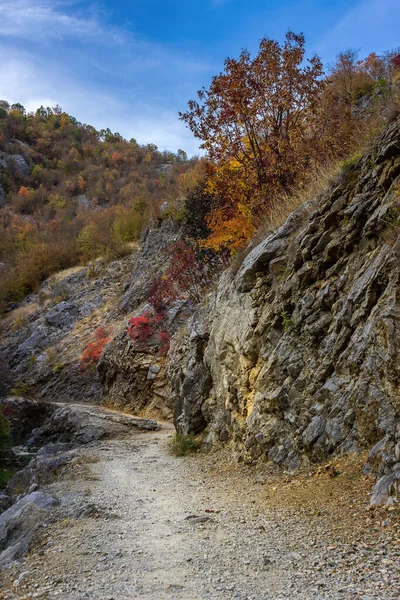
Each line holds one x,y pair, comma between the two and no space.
20,483
62,315
54,448
304,366
257,260
83,201
386,487
19,522
5,501
149,263
71,426
45,354
164,167
153,371
18,162
314,430
127,371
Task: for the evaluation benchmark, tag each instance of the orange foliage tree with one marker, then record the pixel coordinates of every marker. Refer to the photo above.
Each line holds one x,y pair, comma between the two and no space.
254,122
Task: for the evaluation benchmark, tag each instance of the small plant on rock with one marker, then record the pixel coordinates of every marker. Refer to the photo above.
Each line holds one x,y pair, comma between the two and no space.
286,321
21,388
143,329
93,350
183,445
31,361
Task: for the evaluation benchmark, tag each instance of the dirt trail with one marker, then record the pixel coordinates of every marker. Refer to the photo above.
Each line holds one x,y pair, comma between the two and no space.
159,527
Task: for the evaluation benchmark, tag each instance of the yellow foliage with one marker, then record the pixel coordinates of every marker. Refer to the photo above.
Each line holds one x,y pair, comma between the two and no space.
229,231
57,201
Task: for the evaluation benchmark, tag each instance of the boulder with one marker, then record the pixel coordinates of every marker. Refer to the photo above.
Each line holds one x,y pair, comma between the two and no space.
18,163
83,201
5,501
62,315
19,523
387,487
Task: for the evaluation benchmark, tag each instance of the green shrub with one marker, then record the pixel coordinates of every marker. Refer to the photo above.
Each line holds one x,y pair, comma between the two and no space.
348,165
6,473
286,321
183,445
21,389
4,431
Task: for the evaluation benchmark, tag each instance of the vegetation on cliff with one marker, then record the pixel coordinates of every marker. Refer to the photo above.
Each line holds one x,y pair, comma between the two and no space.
268,122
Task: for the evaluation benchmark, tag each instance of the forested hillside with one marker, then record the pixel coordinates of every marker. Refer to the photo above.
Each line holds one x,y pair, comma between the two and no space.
69,193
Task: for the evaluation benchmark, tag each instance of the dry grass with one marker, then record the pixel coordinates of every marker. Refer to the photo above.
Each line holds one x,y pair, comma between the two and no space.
17,317
61,275
280,210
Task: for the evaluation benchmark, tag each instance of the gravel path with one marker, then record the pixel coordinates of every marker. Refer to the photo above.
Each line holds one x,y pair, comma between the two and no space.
138,523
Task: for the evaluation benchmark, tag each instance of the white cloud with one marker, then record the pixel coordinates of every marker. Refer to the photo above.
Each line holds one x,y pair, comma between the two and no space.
136,89
371,25
43,20
22,80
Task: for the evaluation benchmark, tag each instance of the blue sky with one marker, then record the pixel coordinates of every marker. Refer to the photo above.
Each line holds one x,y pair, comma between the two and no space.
133,65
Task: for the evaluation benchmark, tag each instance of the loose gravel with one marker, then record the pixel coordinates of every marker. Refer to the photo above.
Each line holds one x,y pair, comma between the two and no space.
138,523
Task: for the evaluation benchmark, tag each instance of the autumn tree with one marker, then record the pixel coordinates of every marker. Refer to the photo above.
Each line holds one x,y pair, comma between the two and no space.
253,122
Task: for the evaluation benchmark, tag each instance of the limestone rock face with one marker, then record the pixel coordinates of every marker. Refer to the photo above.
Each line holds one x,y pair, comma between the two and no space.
17,162
148,263
133,377
296,356
133,380
83,201
190,379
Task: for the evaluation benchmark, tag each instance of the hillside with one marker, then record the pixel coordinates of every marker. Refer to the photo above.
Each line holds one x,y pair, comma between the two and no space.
69,193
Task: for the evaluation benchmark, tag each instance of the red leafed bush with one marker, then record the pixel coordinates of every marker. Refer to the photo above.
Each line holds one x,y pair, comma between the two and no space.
163,338
186,277
143,328
161,293
93,350
396,61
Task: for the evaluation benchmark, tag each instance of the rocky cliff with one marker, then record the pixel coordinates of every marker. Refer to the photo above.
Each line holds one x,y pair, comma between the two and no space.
132,375
43,338
296,356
